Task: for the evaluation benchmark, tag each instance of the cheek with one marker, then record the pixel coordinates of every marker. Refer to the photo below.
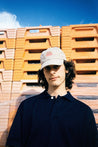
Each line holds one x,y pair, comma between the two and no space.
63,76
62,72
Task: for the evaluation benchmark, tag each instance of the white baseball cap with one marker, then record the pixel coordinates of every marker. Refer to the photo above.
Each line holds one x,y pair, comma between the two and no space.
52,56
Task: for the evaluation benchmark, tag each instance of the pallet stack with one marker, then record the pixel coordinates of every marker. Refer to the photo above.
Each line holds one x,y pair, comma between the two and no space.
66,41
7,51
80,44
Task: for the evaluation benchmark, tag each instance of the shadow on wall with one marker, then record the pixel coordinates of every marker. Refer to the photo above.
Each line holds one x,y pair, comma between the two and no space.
14,104
3,138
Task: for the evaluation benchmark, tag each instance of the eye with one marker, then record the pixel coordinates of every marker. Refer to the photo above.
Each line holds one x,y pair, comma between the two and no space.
47,68
56,66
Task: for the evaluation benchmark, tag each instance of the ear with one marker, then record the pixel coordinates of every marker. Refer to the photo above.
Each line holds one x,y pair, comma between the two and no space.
66,71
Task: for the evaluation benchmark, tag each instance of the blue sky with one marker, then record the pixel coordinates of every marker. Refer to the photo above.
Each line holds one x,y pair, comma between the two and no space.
53,12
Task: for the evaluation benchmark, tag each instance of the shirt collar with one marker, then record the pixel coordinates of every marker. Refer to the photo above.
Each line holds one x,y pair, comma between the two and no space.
68,96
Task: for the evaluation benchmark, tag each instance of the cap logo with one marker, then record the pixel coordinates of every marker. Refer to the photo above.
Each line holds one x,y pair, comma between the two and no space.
49,54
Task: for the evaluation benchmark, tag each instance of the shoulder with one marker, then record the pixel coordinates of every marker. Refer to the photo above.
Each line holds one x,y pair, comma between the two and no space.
28,104
32,99
84,108
78,103
81,104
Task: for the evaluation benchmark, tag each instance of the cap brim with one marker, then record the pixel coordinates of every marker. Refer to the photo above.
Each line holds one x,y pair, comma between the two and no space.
52,62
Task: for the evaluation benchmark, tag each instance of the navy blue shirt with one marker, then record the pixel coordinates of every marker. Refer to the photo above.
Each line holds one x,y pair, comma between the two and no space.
45,121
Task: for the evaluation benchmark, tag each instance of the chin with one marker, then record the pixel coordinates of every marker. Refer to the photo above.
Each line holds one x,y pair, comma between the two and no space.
55,85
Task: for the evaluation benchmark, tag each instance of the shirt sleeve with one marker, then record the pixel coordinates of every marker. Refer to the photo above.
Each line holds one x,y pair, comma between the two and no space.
91,131
14,138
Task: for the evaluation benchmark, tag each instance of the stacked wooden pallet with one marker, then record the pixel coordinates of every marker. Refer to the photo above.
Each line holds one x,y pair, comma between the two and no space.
80,44
7,51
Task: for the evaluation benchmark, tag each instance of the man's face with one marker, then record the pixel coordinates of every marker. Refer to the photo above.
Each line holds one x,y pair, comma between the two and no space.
55,75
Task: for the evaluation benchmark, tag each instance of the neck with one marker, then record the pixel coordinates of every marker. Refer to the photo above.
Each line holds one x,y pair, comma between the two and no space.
55,91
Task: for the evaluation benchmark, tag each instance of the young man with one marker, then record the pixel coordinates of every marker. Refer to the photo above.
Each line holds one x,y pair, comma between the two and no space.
53,118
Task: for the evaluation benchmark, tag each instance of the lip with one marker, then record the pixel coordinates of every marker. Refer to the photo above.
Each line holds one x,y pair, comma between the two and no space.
53,78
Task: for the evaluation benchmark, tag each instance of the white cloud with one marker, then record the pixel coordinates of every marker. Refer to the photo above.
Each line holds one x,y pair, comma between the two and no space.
8,20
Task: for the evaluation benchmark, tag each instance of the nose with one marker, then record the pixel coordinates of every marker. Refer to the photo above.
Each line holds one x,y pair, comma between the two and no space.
52,71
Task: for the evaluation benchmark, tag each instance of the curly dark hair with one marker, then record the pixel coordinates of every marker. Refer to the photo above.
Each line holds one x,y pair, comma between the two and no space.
69,66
